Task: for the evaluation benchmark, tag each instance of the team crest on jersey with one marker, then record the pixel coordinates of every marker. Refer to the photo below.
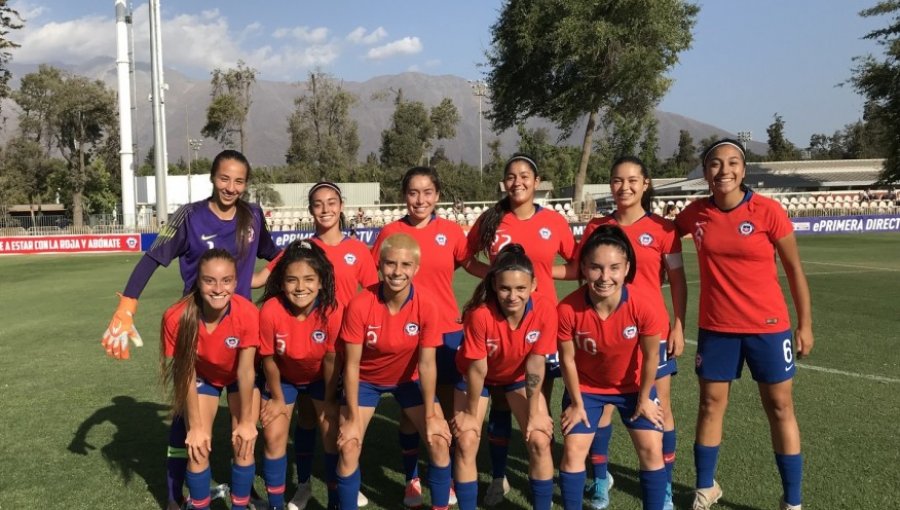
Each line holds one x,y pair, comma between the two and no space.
645,239
350,259
532,336
630,332
746,228
545,233
318,336
441,239
411,328
232,342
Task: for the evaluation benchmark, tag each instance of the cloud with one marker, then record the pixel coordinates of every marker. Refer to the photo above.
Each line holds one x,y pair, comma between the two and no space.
405,46
28,11
359,36
308,35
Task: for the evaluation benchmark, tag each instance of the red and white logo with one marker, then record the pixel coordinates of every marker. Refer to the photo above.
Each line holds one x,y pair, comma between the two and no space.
411,328
232,342
441,239
630,332
350,259
746,228
318,336
532,336
544,233
645,239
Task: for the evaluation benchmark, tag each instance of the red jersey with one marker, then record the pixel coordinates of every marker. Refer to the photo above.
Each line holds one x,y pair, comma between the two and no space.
390,342
487,334
217,351
543,236
608,353
652,238
442,244
739,290
353,266
298,346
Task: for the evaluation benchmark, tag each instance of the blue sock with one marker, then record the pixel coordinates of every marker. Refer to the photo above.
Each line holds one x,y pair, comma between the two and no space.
439,484
705,460
409,448
542,492
198,488
571,485
275,472
466,495
669,452
331,462
304,445
348,488
790,467
241,482
499,432
653,488
176,460
600,450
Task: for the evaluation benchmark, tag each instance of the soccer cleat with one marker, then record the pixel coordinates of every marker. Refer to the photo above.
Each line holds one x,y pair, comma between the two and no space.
361,500
301,497
598,492
452,500
221,491
412,496
785,506
668,504
496,491
705,498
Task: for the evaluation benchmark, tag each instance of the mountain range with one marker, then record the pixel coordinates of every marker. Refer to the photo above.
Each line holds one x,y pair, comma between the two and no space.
267,142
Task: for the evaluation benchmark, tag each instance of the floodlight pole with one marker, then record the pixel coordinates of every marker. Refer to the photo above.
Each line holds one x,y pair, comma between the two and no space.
745,137
480,90
157,96
126,146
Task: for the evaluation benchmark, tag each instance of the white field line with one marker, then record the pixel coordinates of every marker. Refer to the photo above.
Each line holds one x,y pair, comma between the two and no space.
870,377
814,273
873,268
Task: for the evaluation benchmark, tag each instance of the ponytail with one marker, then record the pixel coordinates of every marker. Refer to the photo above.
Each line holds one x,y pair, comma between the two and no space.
511,258
610,235
244,215
490,219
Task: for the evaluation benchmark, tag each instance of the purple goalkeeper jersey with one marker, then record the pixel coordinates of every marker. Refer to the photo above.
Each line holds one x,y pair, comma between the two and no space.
194,229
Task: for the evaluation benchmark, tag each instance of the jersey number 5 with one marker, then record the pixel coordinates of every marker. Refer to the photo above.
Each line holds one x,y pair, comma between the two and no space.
371,339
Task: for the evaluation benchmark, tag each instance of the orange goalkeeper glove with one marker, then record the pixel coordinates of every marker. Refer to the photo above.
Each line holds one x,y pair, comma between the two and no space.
121,329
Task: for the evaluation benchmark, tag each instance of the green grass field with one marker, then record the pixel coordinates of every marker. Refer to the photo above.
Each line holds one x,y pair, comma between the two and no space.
80,430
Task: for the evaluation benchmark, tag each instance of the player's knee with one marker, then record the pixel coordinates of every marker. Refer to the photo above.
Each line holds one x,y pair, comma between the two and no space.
467,444
781,409
350,450
539,444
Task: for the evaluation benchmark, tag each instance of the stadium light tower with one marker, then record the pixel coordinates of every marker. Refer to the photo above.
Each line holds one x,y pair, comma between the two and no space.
480,90
195,148
123,72
745,137
157,96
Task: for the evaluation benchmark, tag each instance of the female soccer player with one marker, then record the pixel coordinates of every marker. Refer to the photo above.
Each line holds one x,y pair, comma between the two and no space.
353,266
226,221
545,234
509,331
389,335
209,340
609,348
743,315
299,324
443,247
657,249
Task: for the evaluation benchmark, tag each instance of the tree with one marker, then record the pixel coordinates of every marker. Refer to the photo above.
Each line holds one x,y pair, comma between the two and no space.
566,59
323,136
650,146
414,130
29,169
684,159
879,82
227,113
780,148
9,20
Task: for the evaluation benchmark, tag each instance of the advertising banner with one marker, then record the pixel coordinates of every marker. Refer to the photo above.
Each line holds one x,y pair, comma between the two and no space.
100,243
861,224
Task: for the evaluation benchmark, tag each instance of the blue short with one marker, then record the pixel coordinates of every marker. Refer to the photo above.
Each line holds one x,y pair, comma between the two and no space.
770,356
666,366
486,390
315,390
625,404
408,394
445,357
205,388
552,369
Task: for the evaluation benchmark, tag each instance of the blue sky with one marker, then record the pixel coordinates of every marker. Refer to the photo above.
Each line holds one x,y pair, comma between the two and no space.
749,60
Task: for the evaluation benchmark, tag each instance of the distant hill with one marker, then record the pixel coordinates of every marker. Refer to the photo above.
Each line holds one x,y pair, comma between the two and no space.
187,100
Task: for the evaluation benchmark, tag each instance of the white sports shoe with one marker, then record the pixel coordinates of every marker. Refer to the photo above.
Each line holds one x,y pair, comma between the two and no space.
785,506
361,500
412,496
496,491
705,498
301,497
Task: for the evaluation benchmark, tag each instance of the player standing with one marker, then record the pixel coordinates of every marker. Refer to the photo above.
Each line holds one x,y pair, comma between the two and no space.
509,330
743,315
209,340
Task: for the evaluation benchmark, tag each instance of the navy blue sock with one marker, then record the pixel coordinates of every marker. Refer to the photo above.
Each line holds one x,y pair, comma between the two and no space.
653,488
599,451
409,448
275,472
790,467
331,462
304,445
542,492
499,432
241,482
572,487
669,452
176,460
439,484
466,495
705,460
348,488
198,488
